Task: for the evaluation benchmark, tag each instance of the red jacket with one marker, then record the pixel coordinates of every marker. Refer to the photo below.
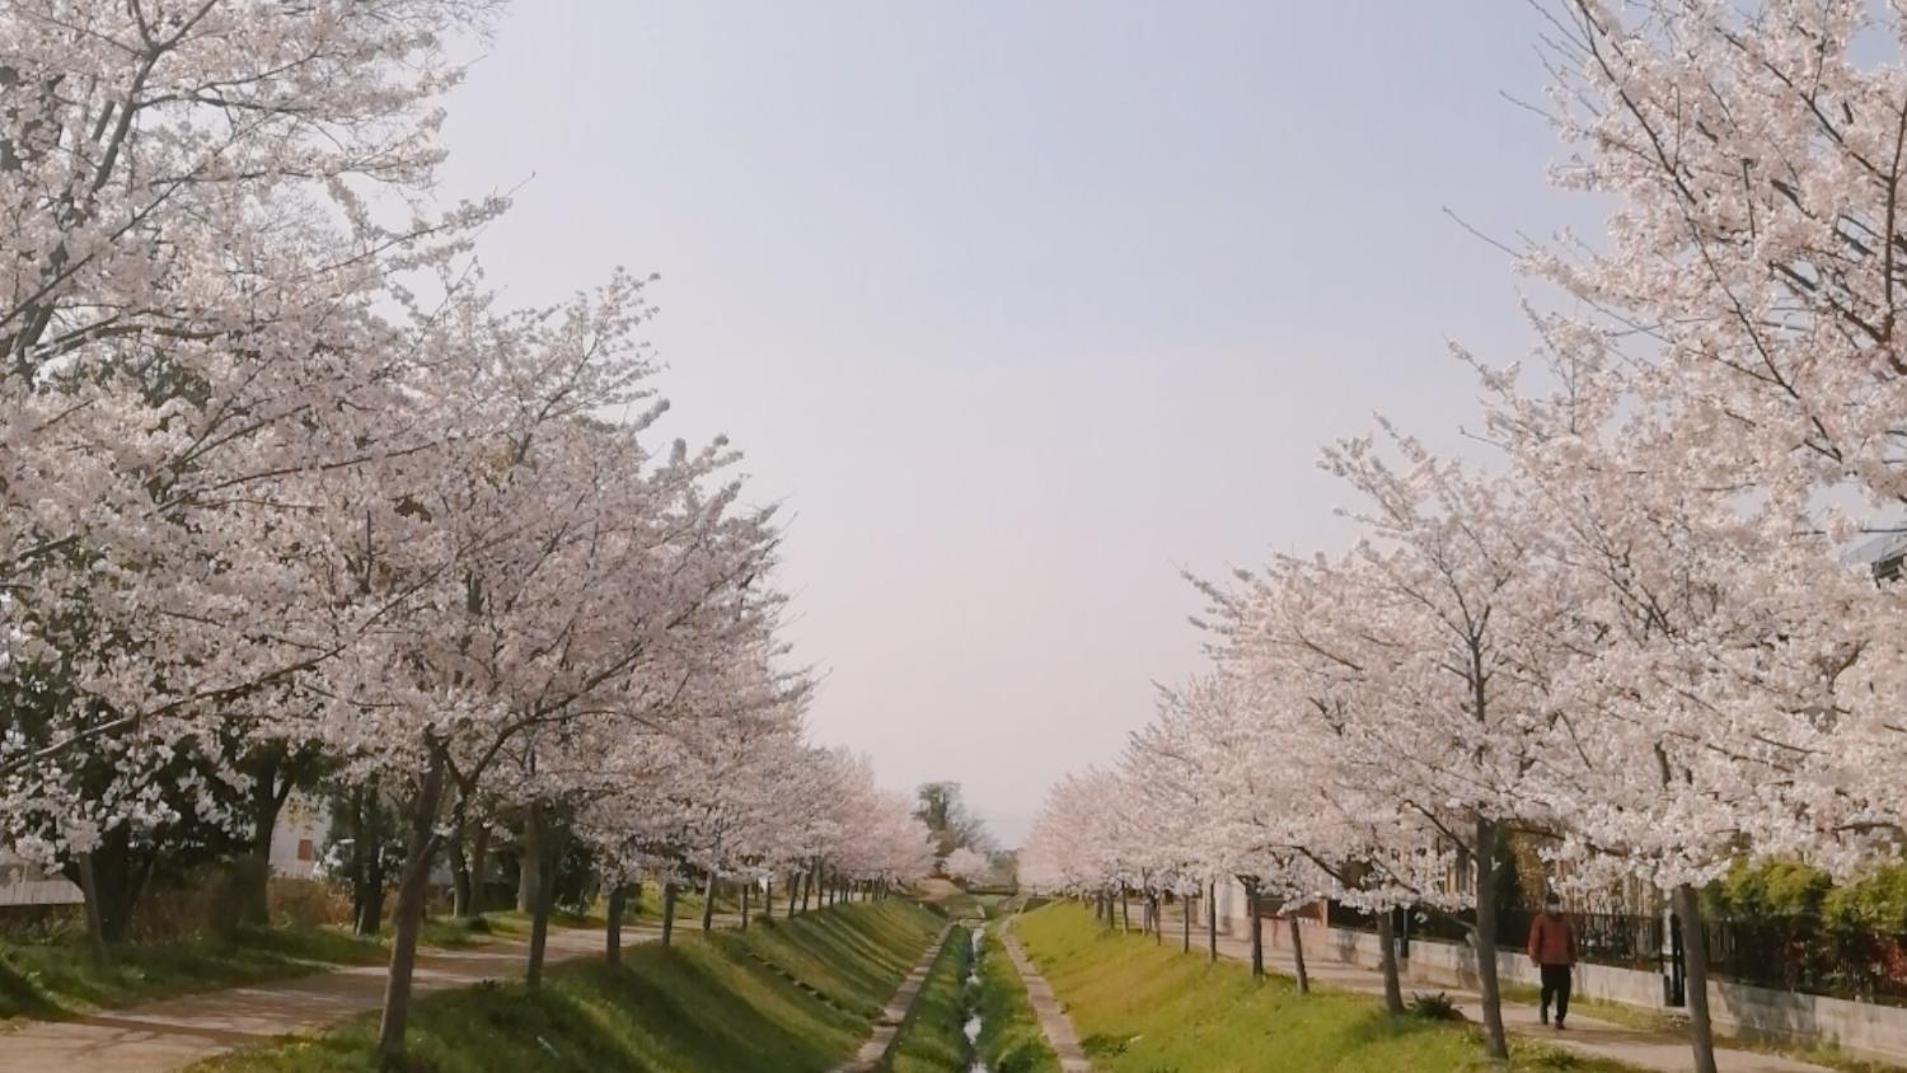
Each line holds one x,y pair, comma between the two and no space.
1552,940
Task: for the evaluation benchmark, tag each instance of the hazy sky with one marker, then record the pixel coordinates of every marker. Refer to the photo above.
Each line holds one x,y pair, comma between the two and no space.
1020,308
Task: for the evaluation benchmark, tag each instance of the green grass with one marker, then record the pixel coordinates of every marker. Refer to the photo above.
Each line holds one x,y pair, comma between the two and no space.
933,1040
1142,1008
1011,1040
950,898
61,980
791,998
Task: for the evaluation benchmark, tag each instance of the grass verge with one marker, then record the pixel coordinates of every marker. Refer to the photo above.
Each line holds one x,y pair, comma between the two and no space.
1011,1040
793,997
50,981
934,1039
1141,1007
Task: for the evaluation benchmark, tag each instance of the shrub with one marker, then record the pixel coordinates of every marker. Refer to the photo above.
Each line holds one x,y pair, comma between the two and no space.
1437,1007
308,903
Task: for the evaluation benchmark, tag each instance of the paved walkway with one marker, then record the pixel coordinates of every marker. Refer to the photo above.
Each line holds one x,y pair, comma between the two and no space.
161,1037
1658,1051
1060,1034
888,1029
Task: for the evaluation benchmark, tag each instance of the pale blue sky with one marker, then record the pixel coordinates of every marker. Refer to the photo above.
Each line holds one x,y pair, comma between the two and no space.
1020,307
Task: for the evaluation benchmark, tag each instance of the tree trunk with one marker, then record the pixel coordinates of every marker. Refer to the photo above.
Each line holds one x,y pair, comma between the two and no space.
708,903
254,874
479,868
460,886
368,847
1494,1040
1211,923
1185,930
1257,931
807,888
1701,1030
543,898
95,926
1156,910
612,929
768,897
668,912
410,915
1125,909
529,879
1297,953
1387,940
745,889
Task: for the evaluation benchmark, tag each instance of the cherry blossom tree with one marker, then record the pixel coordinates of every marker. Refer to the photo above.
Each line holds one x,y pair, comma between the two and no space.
1747,156
208,207
967,866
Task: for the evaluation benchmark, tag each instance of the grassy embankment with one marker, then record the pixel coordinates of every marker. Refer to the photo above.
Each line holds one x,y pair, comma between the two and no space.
933,1040
1010,1037
1011,1040
1141,1007
56,978
60,979
793,997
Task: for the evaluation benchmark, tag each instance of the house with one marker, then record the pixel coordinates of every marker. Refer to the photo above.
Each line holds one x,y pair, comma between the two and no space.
295,844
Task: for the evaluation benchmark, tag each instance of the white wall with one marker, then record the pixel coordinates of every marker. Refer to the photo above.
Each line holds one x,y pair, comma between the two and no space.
298,837
26,884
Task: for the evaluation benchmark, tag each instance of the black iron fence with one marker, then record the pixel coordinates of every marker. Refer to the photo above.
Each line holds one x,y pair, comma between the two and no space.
1812,955
1799,953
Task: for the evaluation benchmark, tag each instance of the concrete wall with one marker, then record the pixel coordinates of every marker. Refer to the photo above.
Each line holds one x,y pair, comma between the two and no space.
1455,965
1861,1029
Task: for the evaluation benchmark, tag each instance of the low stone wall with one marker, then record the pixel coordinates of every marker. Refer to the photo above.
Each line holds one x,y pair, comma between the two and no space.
1455,965
1862,1029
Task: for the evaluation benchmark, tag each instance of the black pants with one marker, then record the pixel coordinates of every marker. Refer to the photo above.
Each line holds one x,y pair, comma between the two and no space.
1556,984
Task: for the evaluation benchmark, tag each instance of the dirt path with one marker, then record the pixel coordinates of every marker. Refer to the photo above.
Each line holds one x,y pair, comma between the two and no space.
164,1036
888,1028
1661,1052
1060,1034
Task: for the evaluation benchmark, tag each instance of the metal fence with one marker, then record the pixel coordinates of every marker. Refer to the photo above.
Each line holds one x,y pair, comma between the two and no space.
1808,954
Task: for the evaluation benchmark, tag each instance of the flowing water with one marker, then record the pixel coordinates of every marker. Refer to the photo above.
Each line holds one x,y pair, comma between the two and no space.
971,1000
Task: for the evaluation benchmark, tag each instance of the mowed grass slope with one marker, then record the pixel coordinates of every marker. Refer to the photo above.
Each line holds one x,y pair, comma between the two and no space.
1011,1040
55,980
1141,1008
792,997
934,1040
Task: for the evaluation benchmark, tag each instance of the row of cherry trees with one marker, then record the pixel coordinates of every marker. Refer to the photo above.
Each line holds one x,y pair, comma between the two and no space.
281,477
1636,624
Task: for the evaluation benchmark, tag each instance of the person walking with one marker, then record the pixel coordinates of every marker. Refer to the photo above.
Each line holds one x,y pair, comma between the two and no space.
1553,952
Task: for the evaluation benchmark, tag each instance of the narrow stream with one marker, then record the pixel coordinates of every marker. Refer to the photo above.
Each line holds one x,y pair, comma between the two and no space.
971,1001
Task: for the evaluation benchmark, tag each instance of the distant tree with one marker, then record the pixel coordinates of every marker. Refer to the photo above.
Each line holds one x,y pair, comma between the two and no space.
941,806
968,866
